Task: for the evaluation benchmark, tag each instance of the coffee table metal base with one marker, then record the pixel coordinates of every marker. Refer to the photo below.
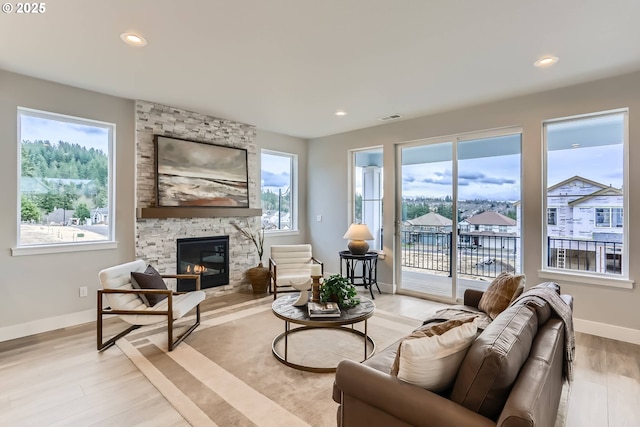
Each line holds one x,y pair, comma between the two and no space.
288,331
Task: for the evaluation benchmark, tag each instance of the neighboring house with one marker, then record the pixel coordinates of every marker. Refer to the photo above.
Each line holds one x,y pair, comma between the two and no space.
60,216
67,181
100,216
425,229
489,221
584,224
432,222
31,185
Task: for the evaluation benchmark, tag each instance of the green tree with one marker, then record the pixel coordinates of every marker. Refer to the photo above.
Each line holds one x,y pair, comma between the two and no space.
28,209
358,208
82,211
48,201
414,210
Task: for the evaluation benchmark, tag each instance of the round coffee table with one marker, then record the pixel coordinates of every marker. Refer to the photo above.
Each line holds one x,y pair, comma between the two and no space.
284,309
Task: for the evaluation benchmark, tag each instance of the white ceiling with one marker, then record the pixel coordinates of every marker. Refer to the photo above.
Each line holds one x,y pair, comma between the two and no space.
288,65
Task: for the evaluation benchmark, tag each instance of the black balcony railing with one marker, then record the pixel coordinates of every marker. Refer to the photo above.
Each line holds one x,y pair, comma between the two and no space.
486,255
482,255
585,255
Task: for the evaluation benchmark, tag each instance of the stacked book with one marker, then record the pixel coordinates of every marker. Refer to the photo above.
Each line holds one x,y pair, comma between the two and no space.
324,309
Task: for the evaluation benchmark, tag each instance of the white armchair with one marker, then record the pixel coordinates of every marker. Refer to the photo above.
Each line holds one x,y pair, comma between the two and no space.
288,265
125,301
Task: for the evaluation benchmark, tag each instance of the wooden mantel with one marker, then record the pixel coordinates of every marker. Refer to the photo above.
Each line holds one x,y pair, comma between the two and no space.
195,212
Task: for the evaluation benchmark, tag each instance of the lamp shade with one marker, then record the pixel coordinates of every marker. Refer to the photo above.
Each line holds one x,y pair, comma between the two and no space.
358,233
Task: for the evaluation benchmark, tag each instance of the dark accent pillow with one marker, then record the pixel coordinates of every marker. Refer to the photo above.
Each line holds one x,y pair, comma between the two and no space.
150,279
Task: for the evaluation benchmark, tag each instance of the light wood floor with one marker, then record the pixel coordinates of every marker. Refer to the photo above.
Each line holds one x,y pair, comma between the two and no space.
58,378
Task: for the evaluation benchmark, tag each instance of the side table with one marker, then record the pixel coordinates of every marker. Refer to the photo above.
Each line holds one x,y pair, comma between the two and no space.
369,262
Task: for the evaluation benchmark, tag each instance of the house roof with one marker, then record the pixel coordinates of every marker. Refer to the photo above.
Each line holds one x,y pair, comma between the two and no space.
490,218
576,178
29,184
609,191
431,219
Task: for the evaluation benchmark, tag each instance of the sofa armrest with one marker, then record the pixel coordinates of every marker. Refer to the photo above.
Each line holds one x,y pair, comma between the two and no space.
472,297
411,404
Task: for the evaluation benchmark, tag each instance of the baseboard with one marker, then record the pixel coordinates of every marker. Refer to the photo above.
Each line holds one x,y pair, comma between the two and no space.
387,288
607,331
45,325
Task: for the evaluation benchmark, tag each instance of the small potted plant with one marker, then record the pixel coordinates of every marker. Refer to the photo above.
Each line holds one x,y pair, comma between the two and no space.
339,289
258,276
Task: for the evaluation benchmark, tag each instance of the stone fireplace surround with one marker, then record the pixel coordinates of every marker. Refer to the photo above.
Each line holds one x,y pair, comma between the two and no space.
156,237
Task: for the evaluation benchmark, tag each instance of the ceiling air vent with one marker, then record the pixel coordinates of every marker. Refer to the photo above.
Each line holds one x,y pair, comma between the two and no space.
391,117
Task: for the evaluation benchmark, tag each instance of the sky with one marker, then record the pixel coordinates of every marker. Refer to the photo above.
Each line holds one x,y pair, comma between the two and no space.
276,172
35,128
499,178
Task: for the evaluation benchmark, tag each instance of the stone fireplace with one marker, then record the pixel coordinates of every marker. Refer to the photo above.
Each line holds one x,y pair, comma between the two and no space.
156,235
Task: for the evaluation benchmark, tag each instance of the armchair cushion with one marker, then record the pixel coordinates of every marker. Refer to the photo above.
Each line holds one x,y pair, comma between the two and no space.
149,279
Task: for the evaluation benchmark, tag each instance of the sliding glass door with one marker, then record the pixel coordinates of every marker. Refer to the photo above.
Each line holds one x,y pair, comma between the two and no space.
458,213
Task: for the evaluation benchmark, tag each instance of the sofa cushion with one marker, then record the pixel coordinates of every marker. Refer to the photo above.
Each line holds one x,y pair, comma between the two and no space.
430,356
541,307
493,361
150,279
500,293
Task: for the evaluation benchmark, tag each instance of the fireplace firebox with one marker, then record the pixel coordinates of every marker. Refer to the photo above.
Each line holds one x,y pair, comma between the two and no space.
207,256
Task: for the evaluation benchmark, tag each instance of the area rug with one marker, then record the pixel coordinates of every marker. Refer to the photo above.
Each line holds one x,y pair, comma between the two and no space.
224,373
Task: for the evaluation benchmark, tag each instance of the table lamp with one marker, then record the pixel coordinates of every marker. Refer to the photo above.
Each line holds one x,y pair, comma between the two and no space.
357,234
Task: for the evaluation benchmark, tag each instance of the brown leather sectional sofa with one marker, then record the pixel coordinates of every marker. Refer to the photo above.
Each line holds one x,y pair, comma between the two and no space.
511,376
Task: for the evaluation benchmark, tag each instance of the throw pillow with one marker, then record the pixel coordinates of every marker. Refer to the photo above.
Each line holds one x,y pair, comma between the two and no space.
430,356
150,279
498,296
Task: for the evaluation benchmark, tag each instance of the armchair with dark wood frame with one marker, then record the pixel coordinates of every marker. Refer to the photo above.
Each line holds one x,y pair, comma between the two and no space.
125,302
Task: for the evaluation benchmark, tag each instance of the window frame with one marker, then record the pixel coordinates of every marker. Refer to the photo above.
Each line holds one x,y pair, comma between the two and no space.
351,186
294,191
62,247
578,276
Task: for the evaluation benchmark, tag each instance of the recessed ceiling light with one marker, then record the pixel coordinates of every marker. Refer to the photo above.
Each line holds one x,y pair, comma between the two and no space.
546,61
340,113
133,39
575,145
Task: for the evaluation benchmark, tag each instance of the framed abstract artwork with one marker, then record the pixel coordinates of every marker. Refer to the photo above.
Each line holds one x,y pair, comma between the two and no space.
190,173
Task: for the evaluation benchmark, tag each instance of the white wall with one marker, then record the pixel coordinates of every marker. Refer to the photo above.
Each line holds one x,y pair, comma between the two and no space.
597,306
291,145
40,292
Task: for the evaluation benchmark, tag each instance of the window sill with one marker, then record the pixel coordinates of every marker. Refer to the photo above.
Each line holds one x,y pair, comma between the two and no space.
586,279
56,249
281,233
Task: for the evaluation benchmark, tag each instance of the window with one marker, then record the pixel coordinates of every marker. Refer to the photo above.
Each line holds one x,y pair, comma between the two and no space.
552,214
278,191
65,180
367,192
608,217
586,181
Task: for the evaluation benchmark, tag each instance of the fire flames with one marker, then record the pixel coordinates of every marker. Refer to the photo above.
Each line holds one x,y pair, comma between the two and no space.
197,269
